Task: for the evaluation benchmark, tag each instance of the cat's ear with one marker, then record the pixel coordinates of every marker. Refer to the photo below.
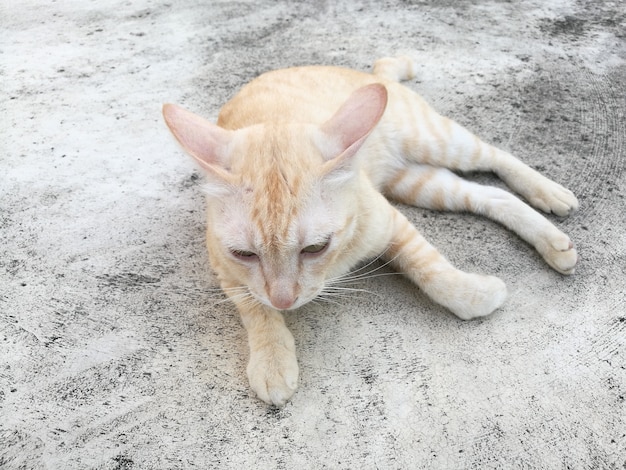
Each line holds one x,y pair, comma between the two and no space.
351,124
207,143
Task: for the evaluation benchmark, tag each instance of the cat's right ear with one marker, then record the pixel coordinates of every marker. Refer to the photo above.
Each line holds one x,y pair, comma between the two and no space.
207,143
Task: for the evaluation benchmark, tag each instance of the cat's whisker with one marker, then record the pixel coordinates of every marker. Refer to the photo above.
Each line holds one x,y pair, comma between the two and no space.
248,303
233,289
338,294
224,290
239,295
320,298
372,261
344,290
229,292
347,295
368,276
355,275
361,276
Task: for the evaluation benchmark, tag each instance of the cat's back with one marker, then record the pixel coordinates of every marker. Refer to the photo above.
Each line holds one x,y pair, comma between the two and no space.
308,94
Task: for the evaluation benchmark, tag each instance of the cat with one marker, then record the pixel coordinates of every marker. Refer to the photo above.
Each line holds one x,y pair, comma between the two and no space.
298,169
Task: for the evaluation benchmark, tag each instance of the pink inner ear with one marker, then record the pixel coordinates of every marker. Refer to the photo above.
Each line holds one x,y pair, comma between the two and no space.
357,117
204,141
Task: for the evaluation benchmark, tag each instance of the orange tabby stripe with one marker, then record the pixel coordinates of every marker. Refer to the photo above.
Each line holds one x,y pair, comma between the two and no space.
438,201
397,177
412,253
433,154
476,153
418,186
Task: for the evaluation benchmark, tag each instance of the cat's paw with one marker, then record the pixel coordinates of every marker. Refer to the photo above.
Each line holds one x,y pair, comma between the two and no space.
552,197
559,252
471,295
273,374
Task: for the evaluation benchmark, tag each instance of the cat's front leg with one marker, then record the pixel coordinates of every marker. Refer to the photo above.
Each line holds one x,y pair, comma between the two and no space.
467,295
273,366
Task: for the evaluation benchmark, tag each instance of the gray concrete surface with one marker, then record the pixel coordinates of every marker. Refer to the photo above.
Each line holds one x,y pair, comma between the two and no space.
115,351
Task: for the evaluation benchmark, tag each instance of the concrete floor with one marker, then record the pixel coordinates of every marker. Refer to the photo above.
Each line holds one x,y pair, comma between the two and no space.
115,351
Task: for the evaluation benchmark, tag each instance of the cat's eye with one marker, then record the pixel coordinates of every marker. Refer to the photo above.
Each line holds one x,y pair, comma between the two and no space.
316,248
243,254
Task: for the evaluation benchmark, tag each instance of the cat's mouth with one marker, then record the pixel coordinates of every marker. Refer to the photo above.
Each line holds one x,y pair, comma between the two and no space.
295,304
283,307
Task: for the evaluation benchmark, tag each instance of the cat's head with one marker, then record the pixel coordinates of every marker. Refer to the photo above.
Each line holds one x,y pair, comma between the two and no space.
283,198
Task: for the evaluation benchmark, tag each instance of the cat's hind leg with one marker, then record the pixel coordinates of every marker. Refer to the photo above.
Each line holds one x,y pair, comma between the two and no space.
440,189
467,295
436,140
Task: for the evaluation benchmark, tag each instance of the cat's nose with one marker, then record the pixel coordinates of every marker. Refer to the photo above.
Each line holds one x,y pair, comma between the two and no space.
283,302
282,293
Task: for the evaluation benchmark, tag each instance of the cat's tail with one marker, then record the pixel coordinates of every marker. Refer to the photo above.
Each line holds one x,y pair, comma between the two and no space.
395,68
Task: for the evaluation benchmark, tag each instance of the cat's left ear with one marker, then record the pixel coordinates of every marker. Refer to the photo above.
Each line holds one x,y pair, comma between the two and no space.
207,143
347,130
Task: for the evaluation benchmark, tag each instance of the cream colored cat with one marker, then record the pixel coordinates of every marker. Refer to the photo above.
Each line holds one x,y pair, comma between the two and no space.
297,166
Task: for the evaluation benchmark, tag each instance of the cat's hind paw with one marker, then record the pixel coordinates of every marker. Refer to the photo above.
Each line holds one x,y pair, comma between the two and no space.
559,253
273,375
552,197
